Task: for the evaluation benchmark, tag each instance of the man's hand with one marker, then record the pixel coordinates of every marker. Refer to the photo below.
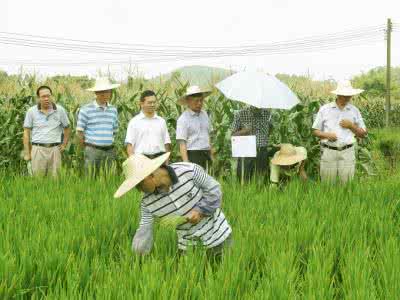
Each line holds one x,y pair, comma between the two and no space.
346,123
331,136
303,175
246,131
194,216
27,157
62,147
212,154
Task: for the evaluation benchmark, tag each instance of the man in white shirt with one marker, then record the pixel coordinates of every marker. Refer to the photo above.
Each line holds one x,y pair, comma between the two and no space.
147,133
337,125
193,128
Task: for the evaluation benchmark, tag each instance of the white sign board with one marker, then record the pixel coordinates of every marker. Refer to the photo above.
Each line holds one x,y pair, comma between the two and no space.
244,146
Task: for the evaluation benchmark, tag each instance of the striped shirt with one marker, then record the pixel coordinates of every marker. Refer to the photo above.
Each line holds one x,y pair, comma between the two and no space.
196,190
99,124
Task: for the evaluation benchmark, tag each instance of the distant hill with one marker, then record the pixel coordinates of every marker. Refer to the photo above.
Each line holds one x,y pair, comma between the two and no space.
197,75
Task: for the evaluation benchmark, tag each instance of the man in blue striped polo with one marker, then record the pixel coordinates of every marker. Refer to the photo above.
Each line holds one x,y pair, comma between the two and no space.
180,190
97,126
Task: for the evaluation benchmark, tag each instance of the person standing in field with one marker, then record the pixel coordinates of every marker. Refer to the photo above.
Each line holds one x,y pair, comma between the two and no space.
337,125
288,163
193,129
97,125
180,190
44,126
147,132
253,121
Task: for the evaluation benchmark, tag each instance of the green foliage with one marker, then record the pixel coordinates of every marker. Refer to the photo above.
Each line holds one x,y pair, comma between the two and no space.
374,82
69,239
388,143
292,126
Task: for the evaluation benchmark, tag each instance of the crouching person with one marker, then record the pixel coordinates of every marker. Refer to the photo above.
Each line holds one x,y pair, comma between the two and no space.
288,163
177,190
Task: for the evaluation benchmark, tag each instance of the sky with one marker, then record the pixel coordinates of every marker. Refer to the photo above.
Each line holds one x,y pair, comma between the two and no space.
200,23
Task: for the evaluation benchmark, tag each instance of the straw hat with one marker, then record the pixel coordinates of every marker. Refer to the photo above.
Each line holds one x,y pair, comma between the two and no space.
103,84
344,88
193,90
136,168
288,155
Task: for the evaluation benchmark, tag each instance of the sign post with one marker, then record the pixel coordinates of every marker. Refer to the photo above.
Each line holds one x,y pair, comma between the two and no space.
243,146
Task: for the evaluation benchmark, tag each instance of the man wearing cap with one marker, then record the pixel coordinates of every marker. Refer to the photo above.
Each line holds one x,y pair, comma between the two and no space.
337,125
253,121
44,126
97,126
177,190
287,163
147,132
194,127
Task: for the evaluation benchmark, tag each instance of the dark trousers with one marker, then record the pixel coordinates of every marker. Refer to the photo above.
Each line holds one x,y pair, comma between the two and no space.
200,157
254,165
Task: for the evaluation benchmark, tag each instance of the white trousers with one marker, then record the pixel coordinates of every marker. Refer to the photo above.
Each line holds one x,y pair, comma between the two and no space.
337,164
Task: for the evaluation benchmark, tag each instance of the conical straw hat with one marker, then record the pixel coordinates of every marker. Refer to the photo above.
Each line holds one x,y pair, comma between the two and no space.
288,155
344,88
136,168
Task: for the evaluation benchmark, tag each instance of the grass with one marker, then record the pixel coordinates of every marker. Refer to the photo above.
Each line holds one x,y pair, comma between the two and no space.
69,239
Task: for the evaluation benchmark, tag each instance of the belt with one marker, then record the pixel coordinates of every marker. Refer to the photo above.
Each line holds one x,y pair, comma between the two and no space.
152,156
105,148
46,145
337,148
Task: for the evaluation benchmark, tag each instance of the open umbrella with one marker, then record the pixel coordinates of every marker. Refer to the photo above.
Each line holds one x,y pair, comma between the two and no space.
258,89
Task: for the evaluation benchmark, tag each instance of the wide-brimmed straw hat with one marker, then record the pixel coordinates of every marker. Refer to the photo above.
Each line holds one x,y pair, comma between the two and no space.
344,88
288,155
136,168
103,84
193,90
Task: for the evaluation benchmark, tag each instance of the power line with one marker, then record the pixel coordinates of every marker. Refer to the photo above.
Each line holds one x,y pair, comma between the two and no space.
142,53
144,61
255,51
349,36
178,47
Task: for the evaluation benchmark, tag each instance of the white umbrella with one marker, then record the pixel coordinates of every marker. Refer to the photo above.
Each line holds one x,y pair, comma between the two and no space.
258,89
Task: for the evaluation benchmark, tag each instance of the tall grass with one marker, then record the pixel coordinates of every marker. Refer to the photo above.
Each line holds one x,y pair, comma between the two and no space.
69,239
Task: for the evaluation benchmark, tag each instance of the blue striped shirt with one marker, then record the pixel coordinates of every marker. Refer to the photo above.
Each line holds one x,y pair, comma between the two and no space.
99,124
194,190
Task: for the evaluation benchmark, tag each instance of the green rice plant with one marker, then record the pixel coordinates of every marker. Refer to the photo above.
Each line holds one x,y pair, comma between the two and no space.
69,238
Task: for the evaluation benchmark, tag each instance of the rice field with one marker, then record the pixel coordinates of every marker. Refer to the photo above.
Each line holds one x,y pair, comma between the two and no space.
69,239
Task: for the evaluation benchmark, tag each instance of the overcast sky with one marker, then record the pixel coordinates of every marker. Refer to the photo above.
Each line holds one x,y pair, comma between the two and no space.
201,23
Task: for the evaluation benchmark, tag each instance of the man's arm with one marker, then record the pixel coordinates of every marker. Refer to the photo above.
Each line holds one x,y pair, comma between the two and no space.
182,137
358,131
81,138
81,126
67,134
302,171
27,144
236,127
244,131
66,128
168,149
130,149
143,239
212,195
331,136
183,150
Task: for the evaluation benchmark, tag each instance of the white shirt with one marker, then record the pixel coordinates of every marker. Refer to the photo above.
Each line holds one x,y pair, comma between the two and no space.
195,129
147,135
329,117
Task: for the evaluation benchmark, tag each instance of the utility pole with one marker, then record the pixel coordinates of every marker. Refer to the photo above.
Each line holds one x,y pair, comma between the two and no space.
388,69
